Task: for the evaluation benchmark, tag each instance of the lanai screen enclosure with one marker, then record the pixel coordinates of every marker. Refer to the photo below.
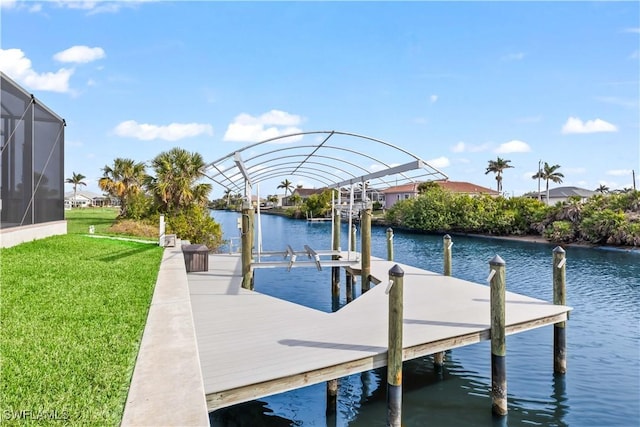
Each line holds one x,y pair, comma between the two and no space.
32,159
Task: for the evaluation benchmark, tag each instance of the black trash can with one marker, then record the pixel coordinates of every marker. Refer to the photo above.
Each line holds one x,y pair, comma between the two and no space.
196,257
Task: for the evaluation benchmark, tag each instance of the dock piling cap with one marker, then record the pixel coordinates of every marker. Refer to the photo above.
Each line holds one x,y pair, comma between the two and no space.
396,271
558,250
496,260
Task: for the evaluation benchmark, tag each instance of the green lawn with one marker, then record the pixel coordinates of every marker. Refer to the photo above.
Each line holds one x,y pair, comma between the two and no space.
79,219
72,312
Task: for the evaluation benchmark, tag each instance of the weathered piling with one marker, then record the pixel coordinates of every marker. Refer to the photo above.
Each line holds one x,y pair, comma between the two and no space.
389,244
247,243
349,286
365,259
353,248
498,338
447,244
560,298
335,271
439,358
332,396
394,350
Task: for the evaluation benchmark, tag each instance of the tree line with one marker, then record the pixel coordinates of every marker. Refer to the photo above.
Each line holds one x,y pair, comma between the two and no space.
612,219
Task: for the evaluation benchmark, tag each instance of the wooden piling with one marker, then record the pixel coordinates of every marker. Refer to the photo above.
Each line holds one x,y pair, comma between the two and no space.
447,244
353,248
335,271
498,339
349,286
394,350
247,243
332,396
439,358
560,298
365,259
389,244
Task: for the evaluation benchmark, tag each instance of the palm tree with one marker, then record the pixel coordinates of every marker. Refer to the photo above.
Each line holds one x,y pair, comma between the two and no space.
549,173
287,185
273,199
498,166
175,184
123,180
602,189
76,179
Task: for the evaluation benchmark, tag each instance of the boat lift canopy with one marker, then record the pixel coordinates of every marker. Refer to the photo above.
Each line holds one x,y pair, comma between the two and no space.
325,159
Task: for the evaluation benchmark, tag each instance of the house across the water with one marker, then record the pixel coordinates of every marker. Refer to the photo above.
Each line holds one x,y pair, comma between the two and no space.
393,195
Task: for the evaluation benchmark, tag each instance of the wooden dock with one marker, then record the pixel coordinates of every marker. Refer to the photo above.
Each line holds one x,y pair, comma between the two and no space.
251,345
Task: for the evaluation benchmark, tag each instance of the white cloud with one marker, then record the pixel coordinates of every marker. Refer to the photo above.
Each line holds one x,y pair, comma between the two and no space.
575,125
439,162
171,132
463,147
272,124
513,56
458,148
80,54
98,6
635,54
420,121
8,4
433,98
619,172
513,146
632,30
15,64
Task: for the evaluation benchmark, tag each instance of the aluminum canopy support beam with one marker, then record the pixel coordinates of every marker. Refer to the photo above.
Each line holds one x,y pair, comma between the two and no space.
247,178
417,164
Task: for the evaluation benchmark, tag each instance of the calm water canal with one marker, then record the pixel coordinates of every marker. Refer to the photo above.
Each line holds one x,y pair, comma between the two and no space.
601,387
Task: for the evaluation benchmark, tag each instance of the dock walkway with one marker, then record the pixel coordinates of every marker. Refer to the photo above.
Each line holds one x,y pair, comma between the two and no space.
252,345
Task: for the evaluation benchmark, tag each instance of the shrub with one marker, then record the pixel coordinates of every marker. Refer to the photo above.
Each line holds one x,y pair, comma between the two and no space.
600,225
134,228
560,232
195,224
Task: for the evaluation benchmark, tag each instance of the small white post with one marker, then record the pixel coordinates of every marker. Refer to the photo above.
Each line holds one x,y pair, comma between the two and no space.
161,231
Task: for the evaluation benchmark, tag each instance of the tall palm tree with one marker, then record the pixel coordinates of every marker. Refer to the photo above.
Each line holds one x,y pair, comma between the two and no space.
549,173
602,189
287,185
175,184
498,166
122,180
76,179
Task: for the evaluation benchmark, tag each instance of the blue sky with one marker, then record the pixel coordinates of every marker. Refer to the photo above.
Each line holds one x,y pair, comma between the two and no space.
456,83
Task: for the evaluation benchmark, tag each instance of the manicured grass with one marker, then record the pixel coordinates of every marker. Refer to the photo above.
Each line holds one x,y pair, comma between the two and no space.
73,309
79,219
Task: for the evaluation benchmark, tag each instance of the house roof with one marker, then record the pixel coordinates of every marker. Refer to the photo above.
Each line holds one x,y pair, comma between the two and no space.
559,192
306,192
83,194
405,188
453,186
466,187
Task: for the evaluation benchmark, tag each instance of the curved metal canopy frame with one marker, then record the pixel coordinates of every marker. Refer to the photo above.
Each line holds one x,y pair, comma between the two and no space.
350,159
